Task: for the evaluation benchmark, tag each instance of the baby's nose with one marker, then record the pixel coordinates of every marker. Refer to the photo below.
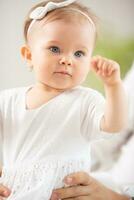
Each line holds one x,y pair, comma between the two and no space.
65,61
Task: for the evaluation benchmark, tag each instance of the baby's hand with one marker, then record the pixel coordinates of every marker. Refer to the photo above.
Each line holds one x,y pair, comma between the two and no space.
4,191
107,70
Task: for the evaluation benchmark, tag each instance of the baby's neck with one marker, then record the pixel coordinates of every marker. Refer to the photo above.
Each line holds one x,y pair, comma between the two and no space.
39,95
45,89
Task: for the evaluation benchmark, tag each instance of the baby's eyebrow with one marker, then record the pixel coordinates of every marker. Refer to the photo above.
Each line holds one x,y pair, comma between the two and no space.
83,47
53,41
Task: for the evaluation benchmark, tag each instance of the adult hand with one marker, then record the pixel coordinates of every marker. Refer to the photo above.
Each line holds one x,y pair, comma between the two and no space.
84,187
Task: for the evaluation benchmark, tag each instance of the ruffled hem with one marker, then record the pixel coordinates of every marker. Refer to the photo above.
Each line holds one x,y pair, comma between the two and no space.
36,181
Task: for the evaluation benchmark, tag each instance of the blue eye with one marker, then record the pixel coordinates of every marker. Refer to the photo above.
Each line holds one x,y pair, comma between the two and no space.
79,53
55,49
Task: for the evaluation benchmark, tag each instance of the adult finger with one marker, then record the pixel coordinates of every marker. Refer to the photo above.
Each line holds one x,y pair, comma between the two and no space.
4,191
79,198
71,192
78,178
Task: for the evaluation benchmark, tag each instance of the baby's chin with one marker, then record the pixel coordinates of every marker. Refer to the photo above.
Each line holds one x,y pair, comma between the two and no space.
64,87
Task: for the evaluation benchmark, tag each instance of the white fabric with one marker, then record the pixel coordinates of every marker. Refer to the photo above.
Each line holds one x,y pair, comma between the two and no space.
42,145
121,176
123,171
40,12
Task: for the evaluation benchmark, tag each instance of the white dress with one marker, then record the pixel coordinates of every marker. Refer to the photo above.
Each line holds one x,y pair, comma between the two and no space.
40,147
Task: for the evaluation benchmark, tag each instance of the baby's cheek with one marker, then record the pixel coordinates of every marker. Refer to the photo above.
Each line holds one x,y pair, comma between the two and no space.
80,76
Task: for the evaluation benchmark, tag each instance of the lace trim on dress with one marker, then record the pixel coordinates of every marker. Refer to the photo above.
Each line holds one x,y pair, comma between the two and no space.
43,177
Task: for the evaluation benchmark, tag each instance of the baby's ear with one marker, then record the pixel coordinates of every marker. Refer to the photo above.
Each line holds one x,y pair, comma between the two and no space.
26,54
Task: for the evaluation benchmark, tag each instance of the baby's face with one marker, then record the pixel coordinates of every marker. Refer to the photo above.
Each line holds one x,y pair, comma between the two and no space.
61,53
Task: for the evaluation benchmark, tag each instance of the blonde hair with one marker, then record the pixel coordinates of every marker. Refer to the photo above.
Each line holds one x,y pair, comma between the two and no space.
60,14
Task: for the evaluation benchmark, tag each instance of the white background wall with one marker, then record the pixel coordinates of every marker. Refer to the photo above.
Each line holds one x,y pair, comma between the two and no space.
118,14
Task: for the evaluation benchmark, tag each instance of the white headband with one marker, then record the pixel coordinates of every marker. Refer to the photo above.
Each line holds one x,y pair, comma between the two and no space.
40,12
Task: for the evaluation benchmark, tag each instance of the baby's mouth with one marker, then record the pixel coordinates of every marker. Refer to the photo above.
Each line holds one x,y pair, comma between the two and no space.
64,73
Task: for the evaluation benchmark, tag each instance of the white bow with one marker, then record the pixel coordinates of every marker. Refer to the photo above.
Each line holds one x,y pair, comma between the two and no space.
40,12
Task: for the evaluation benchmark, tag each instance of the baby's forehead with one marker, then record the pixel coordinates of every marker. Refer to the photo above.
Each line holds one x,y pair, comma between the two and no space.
64,32
57,27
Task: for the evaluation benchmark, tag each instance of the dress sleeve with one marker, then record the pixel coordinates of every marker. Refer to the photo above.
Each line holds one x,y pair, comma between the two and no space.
92,111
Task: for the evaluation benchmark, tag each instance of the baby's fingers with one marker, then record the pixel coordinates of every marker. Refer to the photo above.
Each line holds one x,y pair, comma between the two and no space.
108,68
103,66
4,191
98,64
94,64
